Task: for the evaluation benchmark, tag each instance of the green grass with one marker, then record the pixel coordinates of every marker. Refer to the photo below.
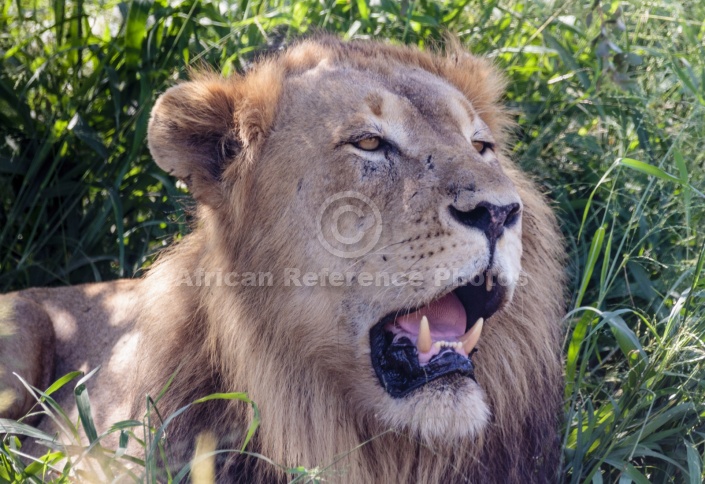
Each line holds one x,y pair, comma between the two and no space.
610,100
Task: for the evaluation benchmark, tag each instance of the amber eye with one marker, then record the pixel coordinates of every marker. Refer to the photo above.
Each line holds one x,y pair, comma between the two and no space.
482,146
369,144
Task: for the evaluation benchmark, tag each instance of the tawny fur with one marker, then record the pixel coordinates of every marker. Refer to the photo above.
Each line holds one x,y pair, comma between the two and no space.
248,147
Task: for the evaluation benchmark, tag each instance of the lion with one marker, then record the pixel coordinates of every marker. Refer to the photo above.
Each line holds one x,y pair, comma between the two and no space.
323,169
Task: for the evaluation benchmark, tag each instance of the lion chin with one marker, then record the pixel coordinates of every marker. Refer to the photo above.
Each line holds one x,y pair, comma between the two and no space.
451,410
366,263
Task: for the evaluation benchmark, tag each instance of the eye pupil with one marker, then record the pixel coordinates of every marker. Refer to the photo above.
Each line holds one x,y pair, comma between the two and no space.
369,144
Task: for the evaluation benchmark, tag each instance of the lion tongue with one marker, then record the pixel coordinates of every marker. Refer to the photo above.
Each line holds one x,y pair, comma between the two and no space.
447,320
446,317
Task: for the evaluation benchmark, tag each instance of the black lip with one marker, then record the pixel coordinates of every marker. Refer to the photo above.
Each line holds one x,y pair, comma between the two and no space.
396,363
479,303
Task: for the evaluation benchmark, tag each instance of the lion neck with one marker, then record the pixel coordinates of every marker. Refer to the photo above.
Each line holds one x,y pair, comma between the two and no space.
253,342
306,417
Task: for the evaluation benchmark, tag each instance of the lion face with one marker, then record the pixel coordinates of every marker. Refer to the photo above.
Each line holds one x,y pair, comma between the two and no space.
385,181
407,200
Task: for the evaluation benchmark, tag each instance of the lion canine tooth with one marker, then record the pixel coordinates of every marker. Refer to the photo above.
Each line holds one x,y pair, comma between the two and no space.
424,342
488,282
471,338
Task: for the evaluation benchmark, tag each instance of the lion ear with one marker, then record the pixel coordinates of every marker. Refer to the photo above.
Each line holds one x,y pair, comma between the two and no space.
192,134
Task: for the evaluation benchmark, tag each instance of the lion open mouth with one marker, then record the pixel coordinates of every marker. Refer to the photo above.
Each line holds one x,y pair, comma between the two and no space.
412,347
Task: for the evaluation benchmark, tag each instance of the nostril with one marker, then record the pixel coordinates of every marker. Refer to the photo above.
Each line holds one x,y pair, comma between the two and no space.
479,217
513,215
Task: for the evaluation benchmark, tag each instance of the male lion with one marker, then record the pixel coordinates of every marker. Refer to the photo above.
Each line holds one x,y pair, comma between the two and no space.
317,174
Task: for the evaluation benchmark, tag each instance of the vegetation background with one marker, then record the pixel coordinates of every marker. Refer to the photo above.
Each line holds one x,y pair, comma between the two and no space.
610,102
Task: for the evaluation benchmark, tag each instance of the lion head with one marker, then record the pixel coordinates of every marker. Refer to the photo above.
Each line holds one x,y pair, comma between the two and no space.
412,273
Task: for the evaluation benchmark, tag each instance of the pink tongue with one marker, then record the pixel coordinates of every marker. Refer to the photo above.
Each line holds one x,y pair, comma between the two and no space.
446,317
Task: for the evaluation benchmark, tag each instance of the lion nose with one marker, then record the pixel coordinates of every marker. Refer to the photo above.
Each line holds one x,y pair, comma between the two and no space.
489,218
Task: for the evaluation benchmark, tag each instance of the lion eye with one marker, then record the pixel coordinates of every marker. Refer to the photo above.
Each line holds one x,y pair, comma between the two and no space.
483,146
369,144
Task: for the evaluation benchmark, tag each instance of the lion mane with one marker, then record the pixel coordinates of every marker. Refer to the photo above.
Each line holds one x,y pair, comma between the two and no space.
340,373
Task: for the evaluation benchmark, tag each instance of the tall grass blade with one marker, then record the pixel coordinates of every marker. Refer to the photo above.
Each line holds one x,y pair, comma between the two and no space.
83,405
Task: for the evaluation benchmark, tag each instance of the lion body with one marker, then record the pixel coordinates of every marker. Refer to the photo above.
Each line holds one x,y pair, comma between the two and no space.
252,149
75,328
